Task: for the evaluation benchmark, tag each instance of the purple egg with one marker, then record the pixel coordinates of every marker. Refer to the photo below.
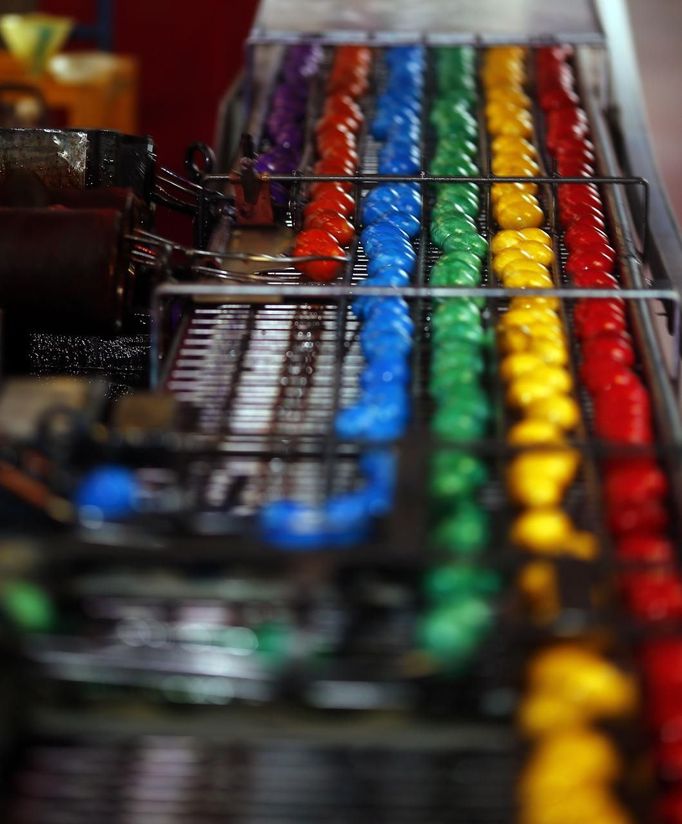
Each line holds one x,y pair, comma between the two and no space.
265,164
279,194
290,136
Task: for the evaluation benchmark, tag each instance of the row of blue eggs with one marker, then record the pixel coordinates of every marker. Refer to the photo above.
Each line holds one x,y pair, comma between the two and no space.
398,110
342,520
391,217
390,214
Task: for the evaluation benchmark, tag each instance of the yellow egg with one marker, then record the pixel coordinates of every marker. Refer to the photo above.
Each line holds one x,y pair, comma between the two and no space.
546,330
555,376
537,585
561,410
513,340
507,239
560,465
518,124
534,303
509,143
583,545
519,215
529,432
530,491
527,280
513,366
537,235
526,389
499,190
544,714
568,758
549,667
537,251
549,351
541,530
523,317
583,678
590,802
528,267
511,93
515,167
503,107
514,156
515,197
501,259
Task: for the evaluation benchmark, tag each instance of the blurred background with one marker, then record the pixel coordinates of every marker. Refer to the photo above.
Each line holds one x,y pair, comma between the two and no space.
185,55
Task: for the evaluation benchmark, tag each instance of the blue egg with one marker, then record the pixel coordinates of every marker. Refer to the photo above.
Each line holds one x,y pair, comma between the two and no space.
388,423
389,318
387,277
108,492
384,371
352,421
404,196
378,466
403,165
382,230
379,470
410,224
348,517
293,525
380,343
402,257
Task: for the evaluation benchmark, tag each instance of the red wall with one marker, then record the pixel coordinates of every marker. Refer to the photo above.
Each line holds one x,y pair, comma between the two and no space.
188,52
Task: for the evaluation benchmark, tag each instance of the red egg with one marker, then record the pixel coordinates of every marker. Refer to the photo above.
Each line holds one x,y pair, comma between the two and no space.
582,233
589,259
646,547
574,193
327,187
602,374
331,201
634,480
318,242
556,97
654,595
343,106
570,167
572,212
346,154
597,319
337,225
333,165
616,348
594,280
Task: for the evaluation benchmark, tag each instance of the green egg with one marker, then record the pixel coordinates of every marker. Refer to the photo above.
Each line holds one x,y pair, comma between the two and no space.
450,640
451,583
454,474
466,242
466,532
457,424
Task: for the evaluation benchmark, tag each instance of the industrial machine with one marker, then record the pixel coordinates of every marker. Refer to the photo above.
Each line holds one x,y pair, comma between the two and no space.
361,500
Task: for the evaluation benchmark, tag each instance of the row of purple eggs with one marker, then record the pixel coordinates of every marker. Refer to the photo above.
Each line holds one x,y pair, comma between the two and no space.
285,121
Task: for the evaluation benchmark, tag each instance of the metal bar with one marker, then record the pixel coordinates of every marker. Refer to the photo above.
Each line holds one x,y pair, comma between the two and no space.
332,292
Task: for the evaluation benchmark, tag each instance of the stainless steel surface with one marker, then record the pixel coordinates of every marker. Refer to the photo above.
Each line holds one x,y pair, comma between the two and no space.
434,20
628,117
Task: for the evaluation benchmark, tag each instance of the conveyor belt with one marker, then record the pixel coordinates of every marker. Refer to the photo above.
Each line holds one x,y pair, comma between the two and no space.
266,368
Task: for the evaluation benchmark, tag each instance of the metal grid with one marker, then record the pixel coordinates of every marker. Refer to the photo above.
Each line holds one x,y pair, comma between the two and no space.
181,779
287,367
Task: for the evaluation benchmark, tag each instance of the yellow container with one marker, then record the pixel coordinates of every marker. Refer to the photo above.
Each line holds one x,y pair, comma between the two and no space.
34,38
